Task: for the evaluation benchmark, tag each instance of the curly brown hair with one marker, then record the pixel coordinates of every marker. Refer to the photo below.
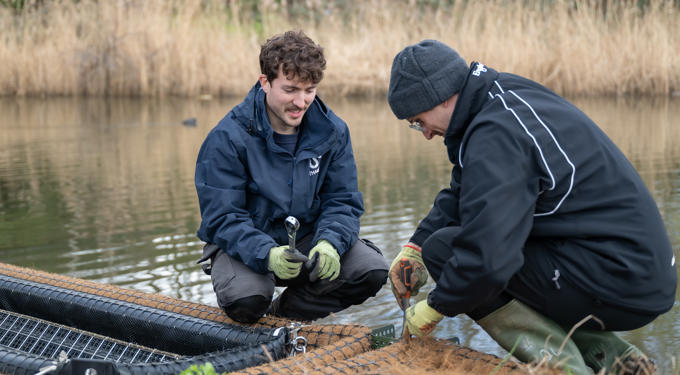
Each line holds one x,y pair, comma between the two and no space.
297,55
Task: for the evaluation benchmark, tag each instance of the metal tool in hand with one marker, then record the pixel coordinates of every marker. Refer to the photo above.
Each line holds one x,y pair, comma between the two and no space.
292,226
406,270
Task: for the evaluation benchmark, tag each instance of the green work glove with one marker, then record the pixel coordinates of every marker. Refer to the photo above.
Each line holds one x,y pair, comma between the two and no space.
407,273
421,319
328,262
285,264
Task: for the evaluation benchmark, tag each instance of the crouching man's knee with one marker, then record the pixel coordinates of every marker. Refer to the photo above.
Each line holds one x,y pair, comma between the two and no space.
375,280
248,309
369,285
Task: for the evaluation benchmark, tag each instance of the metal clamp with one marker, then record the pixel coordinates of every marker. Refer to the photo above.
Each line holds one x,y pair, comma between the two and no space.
298,343
52,369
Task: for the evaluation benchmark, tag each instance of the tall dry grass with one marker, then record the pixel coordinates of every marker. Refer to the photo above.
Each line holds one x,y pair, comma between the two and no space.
194,47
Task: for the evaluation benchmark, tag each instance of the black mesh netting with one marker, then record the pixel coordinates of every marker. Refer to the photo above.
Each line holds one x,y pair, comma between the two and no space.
143,325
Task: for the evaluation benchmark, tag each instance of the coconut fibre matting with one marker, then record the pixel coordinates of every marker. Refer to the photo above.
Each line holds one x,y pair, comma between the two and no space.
331,348
422,356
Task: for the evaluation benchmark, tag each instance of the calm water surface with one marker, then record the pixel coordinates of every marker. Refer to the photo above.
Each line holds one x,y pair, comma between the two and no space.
103,190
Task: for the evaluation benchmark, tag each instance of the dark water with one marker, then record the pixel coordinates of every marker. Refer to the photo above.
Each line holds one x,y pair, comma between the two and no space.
103,190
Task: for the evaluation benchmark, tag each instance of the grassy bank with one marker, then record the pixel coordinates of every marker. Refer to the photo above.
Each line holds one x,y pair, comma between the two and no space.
194,47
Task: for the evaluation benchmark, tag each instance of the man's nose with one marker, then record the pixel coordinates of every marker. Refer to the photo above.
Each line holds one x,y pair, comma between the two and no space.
428,134
301,100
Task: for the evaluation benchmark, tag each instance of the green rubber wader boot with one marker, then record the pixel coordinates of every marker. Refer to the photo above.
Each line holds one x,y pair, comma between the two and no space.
533,337
606,350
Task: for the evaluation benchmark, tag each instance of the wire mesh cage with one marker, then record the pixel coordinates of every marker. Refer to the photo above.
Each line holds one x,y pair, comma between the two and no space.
47,340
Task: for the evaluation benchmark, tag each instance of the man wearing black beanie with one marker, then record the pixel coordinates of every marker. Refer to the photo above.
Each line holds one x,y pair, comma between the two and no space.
546,226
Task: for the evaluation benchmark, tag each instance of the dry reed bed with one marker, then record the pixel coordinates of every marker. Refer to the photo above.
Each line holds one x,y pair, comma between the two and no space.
194,47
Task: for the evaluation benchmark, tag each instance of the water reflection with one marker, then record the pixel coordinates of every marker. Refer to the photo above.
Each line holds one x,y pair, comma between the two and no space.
103,190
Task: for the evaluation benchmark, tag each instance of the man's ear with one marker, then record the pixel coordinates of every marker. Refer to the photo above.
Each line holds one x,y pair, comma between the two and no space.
451,102
264,82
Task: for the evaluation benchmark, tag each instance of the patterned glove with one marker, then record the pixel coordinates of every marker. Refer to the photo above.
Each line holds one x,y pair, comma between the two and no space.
421,319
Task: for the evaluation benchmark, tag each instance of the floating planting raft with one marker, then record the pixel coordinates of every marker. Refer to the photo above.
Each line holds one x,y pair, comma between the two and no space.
59,324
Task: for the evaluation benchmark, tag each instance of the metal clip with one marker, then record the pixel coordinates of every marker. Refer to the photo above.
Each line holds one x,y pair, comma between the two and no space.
47,370
294,327
298,344
51,369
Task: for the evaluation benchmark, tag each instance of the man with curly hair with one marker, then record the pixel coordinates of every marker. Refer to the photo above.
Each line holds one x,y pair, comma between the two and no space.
282,152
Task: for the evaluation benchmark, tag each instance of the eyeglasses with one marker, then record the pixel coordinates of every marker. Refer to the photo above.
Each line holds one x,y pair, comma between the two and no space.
416,125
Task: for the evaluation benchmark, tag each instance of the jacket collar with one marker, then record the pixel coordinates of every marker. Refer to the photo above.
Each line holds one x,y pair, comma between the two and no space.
471,97
317,126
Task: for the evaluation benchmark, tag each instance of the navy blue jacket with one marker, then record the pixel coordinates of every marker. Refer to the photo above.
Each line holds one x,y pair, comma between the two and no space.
247,184
530,166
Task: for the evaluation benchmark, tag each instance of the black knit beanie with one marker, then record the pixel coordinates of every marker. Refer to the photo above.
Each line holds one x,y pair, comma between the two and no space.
423,76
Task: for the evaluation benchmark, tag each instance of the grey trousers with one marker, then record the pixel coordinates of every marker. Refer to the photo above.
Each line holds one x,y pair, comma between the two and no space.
247,295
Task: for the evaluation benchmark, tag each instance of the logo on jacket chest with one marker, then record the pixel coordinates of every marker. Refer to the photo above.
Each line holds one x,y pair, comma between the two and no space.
314,164
479,70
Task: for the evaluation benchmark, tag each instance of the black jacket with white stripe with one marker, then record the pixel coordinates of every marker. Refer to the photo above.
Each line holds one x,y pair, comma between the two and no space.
530,166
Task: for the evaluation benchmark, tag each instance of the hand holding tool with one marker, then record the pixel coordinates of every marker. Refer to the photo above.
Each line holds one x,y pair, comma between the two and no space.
292,225
407,273
285,264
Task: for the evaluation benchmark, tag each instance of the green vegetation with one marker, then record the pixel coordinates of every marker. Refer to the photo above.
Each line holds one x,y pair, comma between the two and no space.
14,4
204,369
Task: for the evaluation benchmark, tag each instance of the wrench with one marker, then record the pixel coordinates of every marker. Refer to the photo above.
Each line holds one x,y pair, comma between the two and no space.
292,225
